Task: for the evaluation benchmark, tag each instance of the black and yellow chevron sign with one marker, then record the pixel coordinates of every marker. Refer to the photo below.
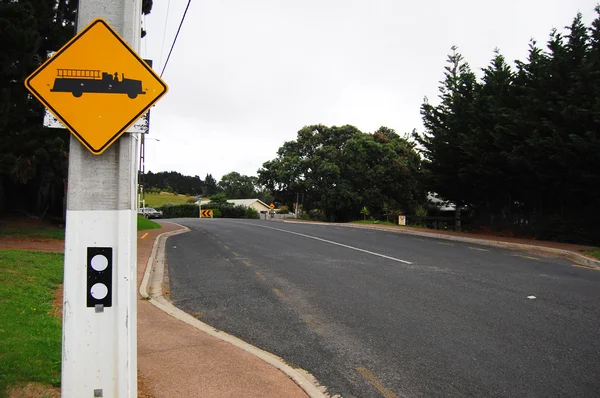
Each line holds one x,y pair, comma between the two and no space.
206,214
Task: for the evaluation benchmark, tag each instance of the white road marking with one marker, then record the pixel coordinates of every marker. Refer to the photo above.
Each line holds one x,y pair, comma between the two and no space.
330,242
531,297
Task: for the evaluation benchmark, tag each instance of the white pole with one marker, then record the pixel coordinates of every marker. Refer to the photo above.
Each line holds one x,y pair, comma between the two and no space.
99,356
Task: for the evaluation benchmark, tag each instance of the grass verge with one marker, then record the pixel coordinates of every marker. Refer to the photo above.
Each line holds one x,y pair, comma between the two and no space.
594,253
143,223
34,232
164,198
30,336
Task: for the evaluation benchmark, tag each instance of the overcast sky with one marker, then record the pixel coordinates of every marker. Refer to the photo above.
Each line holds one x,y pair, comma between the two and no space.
245,76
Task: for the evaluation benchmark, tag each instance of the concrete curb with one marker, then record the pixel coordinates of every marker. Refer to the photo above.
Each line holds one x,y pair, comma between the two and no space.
153,277
581,259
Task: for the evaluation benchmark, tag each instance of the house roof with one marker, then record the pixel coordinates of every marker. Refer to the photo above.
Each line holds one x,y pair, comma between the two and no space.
238,202
441,204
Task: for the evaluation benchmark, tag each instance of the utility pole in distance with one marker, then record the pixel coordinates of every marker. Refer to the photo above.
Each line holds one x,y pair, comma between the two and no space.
99,356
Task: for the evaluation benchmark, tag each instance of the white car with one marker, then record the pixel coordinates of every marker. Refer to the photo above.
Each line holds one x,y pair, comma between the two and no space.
150,212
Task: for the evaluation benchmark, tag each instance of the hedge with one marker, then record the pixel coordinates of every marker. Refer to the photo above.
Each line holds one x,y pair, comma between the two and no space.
219,210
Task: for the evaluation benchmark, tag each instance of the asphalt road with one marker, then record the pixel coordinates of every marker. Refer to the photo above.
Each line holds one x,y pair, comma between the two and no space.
376,313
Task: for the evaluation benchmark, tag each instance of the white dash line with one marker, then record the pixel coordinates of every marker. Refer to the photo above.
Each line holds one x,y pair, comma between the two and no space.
330,242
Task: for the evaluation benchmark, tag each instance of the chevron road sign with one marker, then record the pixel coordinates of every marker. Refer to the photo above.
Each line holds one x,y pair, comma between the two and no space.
206,214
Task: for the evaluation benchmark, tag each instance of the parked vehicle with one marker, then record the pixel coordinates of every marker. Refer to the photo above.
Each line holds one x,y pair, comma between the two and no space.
150,212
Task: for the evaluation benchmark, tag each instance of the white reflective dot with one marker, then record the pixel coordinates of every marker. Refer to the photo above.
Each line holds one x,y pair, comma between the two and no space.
99,262
99,291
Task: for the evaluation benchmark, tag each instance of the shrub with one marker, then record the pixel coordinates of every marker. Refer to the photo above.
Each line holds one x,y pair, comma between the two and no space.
317,215
420,211
365,212
284,210
251,213
180,211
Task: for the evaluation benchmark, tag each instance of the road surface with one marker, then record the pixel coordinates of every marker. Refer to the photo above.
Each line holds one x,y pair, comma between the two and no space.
381,314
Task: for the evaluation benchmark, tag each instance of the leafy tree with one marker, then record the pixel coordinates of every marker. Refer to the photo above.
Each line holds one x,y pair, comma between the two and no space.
237,186
340,169
219,199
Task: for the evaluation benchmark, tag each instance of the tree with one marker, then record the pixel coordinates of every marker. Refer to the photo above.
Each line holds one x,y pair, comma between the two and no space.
210,185
32,158
446,136
173,181
237,186
519,148
341,169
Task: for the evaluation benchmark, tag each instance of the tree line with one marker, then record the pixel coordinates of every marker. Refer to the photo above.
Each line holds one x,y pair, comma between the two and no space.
519,148
232,185
515,150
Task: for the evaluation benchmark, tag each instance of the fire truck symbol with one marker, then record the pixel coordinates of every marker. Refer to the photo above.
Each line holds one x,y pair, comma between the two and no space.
79,81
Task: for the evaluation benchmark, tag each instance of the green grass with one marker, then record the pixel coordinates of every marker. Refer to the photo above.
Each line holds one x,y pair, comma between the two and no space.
143,223
34,232
164,198
594,253
30,337
375,222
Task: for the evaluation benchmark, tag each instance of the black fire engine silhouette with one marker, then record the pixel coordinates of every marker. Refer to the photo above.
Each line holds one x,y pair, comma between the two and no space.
79,81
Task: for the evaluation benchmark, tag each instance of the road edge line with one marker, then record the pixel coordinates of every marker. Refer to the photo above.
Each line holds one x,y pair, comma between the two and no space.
157,259
484,242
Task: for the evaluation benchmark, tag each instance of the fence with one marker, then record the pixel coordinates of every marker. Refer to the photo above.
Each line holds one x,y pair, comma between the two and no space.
275,216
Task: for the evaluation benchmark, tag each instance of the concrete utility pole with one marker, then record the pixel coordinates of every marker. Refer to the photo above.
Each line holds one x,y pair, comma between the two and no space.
99,357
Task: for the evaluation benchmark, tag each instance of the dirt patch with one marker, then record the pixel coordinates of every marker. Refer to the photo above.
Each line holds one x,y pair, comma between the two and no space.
34,390
27,222
33,244
143,390
57,302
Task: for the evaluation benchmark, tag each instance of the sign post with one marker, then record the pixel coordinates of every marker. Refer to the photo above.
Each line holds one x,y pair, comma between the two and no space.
97,86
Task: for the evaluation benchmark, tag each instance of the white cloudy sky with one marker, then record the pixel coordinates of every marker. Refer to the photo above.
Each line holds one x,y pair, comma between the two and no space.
245,76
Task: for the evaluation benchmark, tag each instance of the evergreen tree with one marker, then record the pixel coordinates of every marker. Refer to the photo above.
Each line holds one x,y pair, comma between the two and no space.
446,137
210,186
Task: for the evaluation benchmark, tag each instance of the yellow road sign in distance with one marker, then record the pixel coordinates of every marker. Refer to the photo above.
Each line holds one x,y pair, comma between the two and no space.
206,213
96,85
271,206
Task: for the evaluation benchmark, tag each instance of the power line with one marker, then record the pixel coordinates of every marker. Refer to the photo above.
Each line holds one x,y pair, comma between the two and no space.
162,48
176,35
145,39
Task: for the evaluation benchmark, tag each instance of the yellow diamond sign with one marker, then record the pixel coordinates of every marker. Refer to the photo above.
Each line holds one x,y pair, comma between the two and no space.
96,85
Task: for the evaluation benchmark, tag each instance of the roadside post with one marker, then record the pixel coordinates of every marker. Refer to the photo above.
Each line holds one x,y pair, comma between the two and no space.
98,87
